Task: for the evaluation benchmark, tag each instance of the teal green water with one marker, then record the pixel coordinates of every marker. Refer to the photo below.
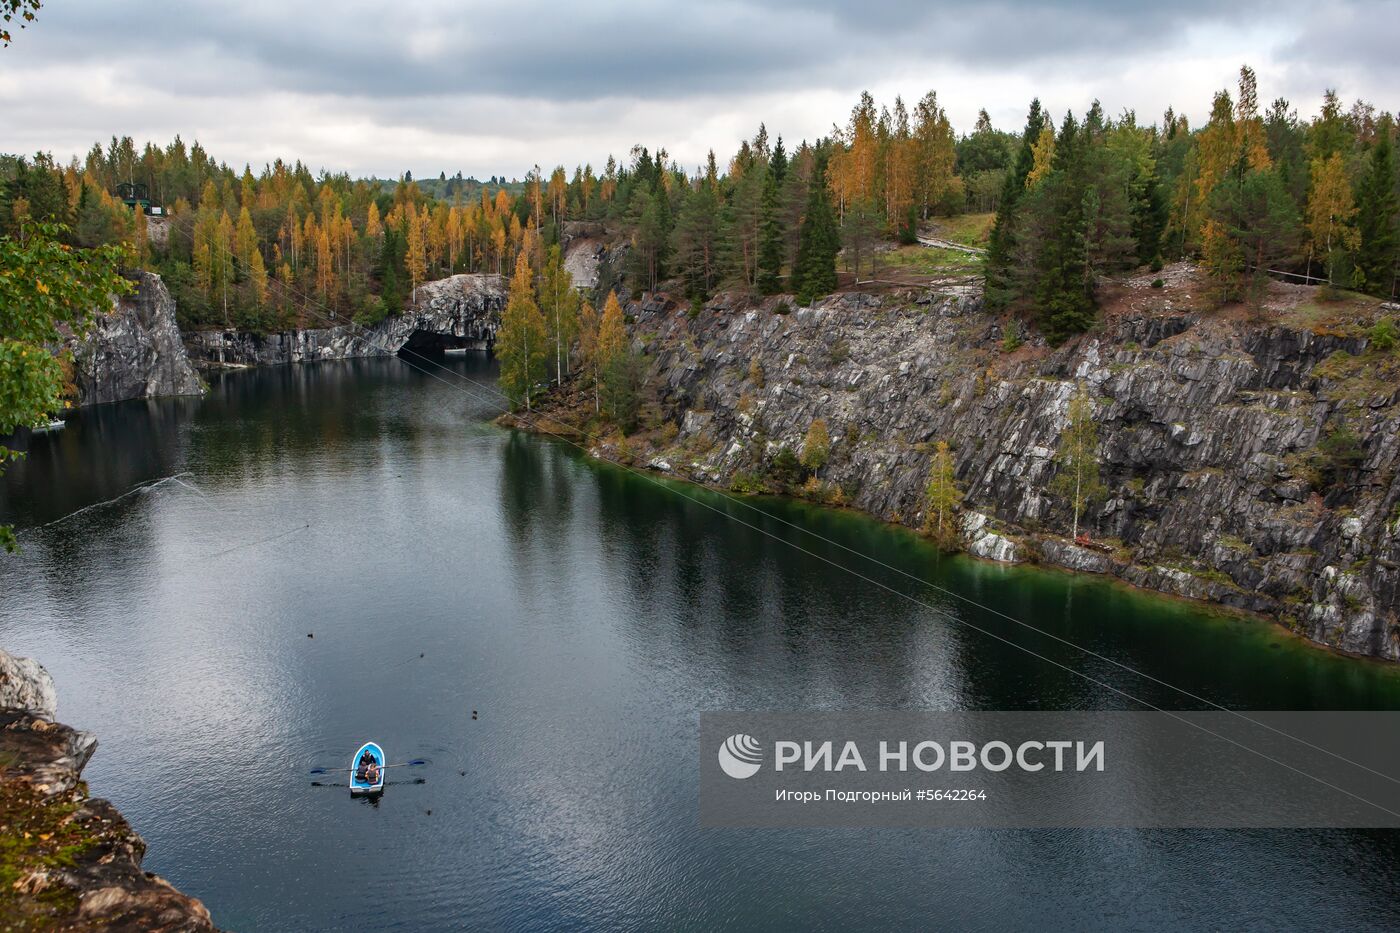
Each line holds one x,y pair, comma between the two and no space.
587,615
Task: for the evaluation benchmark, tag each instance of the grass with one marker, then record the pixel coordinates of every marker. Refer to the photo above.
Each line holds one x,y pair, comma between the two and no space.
924,260
38,835
1360,378
967,229
1340,316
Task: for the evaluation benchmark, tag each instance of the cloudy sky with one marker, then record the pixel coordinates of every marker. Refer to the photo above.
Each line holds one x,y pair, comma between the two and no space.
492,88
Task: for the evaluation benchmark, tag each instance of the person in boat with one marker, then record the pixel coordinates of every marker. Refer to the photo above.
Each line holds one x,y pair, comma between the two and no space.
365,763
372,772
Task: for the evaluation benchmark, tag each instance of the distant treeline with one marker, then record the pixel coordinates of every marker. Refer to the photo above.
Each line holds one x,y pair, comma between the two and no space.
1075,198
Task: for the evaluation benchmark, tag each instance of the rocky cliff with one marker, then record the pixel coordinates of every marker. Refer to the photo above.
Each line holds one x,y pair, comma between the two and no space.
1250,463
134,351
68,861
463,310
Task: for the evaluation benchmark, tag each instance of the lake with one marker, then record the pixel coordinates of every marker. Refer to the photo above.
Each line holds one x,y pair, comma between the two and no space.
231,591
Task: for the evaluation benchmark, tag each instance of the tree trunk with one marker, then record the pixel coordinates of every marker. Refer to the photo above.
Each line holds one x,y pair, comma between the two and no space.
1074,534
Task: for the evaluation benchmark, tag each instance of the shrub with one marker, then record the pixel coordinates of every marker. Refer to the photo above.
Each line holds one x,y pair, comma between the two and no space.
786,470
1339,453
1011,338
746,484
817,446
1383,335
1156,265
1158,283
621,390
781,308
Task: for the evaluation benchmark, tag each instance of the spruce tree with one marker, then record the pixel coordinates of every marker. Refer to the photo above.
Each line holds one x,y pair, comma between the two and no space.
1376,218
1001,245
770,246
1060,268
814,272
1149,215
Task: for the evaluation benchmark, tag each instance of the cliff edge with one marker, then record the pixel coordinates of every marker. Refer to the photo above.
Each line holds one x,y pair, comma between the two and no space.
68,861
134,350
1250,457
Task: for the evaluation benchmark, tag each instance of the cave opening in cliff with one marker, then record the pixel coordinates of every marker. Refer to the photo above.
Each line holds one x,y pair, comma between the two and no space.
431,343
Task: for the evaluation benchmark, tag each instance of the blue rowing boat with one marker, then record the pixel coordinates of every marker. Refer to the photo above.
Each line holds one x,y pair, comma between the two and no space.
367,771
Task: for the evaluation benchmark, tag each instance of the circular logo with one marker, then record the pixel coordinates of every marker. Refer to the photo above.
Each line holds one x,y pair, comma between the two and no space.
740,756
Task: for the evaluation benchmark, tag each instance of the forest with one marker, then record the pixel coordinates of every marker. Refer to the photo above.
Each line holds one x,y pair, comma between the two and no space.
1255,191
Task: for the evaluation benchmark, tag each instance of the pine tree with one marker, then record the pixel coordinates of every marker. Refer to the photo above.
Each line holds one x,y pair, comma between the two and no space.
522,341
1078,458
859,230
1220,256
1329,133
1255,213
942,496
696,239
649,239
1376,220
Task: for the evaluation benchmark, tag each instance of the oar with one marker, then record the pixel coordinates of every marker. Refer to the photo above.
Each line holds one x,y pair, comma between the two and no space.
400,764
386,783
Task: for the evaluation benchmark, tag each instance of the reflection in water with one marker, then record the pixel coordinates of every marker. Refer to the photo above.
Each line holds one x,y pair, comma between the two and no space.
445,566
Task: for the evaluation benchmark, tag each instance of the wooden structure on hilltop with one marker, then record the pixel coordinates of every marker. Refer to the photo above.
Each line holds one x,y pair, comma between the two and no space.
136,195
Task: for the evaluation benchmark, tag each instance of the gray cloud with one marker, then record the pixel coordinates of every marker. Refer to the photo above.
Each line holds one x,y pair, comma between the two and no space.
347,80
536,49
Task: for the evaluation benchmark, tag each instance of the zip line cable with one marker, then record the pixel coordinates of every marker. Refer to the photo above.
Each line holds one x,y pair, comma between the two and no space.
308,303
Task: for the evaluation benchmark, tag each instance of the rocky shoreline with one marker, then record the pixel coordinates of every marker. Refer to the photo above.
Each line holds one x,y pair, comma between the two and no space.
1210,428
1215,426
69,861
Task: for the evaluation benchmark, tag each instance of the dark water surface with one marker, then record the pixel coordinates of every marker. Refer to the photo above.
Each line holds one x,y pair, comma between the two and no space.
587,615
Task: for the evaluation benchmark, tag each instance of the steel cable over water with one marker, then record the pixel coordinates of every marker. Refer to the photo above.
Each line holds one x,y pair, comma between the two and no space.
540,424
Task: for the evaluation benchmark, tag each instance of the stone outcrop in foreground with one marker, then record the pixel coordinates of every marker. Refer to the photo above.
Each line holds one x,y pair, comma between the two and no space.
1251,464
69,861
134,350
